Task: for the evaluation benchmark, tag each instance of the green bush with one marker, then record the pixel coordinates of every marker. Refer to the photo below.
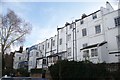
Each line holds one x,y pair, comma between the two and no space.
23,72
72,70
37,71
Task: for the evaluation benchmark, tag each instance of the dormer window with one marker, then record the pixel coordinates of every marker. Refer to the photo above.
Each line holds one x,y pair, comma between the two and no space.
71,26
81,22
94,16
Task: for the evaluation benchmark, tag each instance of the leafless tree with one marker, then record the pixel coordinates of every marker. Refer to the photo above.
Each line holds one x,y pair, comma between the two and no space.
13,30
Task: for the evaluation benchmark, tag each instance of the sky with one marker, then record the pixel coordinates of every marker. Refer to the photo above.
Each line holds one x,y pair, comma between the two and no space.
46,15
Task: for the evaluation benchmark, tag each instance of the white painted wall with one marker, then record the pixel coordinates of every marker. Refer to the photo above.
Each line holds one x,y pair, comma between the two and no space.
105,18
18,57
34,54
62,35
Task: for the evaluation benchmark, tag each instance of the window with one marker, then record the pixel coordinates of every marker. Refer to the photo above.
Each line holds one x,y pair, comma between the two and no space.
94,16
81,22
60,41
50,60
19,58
117,21
54,59
69,37
48,45
69,51
59,57
97,29
43,47
94,52
71,26
85,45
37,54
86,54
44,62
84,32
53,43
118,41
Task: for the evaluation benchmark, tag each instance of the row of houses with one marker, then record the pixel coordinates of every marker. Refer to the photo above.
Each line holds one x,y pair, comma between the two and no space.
94,37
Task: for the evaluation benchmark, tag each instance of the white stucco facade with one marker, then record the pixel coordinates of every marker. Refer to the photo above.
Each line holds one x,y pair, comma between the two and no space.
33,55
95,37
18,57
95,33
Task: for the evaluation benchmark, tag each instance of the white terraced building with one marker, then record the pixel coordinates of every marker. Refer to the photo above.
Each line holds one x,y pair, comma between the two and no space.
18,57
94,37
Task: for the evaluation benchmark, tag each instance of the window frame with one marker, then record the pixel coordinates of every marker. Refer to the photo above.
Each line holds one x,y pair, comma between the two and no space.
84,32
94,53
60,41
19,58
98,29
85,45
86,54
94,16
69,51
69,37
117,21
81,22
37,54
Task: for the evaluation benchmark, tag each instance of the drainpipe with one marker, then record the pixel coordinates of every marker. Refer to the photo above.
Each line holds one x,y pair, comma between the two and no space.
58,39
45,46
66,43
51,45
119,32
98,49
51,48
57,52
73,40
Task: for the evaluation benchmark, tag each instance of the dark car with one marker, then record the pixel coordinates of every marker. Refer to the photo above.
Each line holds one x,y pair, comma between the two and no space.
23,78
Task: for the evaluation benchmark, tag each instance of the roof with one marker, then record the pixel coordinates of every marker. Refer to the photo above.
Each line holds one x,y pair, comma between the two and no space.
53,55
77,20
115,52
40,58
94,45
87,15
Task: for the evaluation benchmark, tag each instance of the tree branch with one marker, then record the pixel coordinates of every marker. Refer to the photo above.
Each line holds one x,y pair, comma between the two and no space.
9,44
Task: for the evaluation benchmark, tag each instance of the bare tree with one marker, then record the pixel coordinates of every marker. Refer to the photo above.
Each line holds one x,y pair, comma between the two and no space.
12,30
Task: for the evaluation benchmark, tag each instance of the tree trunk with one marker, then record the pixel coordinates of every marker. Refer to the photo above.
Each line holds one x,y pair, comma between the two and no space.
3,61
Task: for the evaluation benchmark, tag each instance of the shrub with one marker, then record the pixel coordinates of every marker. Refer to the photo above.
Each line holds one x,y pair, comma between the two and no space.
72,70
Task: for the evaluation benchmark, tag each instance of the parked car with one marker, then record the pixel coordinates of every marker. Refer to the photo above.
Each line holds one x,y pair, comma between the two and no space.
22,78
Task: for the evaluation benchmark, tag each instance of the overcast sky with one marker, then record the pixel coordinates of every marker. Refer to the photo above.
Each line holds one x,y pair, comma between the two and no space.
46,16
